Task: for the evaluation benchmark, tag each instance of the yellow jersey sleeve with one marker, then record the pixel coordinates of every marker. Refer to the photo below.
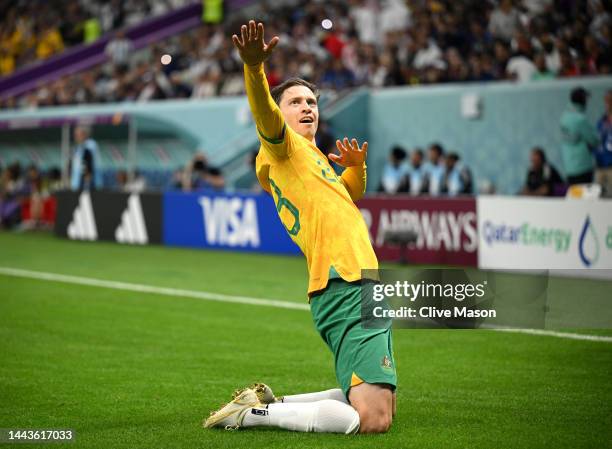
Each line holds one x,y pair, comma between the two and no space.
354,180
271,127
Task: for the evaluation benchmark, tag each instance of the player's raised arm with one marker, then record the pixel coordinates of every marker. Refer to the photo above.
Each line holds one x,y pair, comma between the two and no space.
253,52
353,158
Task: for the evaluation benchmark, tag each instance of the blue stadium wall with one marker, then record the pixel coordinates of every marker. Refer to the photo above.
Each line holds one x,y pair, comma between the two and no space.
515,117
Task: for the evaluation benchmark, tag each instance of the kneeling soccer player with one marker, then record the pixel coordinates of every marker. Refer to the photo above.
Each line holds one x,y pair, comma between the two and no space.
317,209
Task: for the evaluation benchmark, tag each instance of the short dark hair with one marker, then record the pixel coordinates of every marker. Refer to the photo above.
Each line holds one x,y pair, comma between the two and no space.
579,96
398,153
277,92
437,147
540,152
453,157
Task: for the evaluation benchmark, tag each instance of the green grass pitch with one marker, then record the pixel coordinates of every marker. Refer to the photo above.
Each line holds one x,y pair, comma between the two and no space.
134,370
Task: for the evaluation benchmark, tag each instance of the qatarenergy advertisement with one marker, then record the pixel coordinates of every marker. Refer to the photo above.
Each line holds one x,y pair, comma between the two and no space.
543,233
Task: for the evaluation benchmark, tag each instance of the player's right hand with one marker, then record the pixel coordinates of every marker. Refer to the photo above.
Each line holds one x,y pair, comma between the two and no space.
251,46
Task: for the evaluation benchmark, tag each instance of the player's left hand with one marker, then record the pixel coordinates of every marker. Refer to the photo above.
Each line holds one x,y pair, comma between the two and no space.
350,153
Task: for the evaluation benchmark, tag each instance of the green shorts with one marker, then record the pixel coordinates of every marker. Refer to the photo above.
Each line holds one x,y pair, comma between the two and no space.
360,355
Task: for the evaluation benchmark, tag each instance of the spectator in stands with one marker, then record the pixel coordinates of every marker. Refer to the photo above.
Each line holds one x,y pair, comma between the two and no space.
7,60
201,175
394,176
435,169
119,50
337,76
85,162
417,176
458,177
137,184
33,199
579,138
379,43
71,26
504,21
520,67
603,155
92,29
207,84
502,56
49,41
54,180
541,70
11,189
428,53
542,177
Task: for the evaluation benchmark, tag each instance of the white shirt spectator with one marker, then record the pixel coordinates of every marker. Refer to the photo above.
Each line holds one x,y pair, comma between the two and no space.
395,16
119,50
430,56
503,24
365,17
536,7
520,68
553,60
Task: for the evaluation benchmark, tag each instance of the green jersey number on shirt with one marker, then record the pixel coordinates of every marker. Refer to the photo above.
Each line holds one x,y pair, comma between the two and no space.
284,202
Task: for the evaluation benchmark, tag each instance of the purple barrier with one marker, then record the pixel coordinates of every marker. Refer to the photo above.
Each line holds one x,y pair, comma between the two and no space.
55,122
85,56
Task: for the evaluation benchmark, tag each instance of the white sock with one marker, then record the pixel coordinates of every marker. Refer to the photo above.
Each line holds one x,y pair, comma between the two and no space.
335,393
326,416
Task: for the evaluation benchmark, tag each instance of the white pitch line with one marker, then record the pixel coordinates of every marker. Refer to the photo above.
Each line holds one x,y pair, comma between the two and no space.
208,296
568,335
141,288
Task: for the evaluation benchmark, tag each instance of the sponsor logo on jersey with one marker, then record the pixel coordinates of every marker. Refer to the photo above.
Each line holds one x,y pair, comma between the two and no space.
386,362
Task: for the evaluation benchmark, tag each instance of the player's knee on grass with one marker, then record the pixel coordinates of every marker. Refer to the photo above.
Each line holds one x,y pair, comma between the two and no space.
374,403
373,422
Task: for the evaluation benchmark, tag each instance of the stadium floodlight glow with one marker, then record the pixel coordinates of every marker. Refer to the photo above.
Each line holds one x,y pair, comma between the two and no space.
166,59
327,24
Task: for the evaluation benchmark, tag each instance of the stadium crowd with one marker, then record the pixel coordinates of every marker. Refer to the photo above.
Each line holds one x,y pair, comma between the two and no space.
342,44
26,196
35,30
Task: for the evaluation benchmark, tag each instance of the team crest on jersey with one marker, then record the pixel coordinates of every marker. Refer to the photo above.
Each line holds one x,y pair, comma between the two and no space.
386,362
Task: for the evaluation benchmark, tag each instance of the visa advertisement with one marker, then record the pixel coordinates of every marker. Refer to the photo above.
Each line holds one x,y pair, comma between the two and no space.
544,233
236,221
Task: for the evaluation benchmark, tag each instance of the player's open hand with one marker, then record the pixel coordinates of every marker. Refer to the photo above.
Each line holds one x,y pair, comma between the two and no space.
350,153
251,46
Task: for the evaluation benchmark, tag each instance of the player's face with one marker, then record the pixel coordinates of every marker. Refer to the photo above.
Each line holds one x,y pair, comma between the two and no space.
299,107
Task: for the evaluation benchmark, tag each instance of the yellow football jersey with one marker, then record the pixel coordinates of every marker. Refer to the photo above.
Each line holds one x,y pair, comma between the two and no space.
315,205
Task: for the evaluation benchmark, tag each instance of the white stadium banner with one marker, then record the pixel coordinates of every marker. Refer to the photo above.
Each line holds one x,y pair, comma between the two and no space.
544,233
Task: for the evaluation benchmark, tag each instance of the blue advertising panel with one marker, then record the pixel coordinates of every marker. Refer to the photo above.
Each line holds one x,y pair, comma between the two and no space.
234,221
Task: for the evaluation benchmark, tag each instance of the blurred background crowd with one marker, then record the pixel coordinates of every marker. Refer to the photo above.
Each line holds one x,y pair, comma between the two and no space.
336,44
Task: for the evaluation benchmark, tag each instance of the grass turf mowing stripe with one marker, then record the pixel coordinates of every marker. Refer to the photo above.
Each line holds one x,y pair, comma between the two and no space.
209,296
